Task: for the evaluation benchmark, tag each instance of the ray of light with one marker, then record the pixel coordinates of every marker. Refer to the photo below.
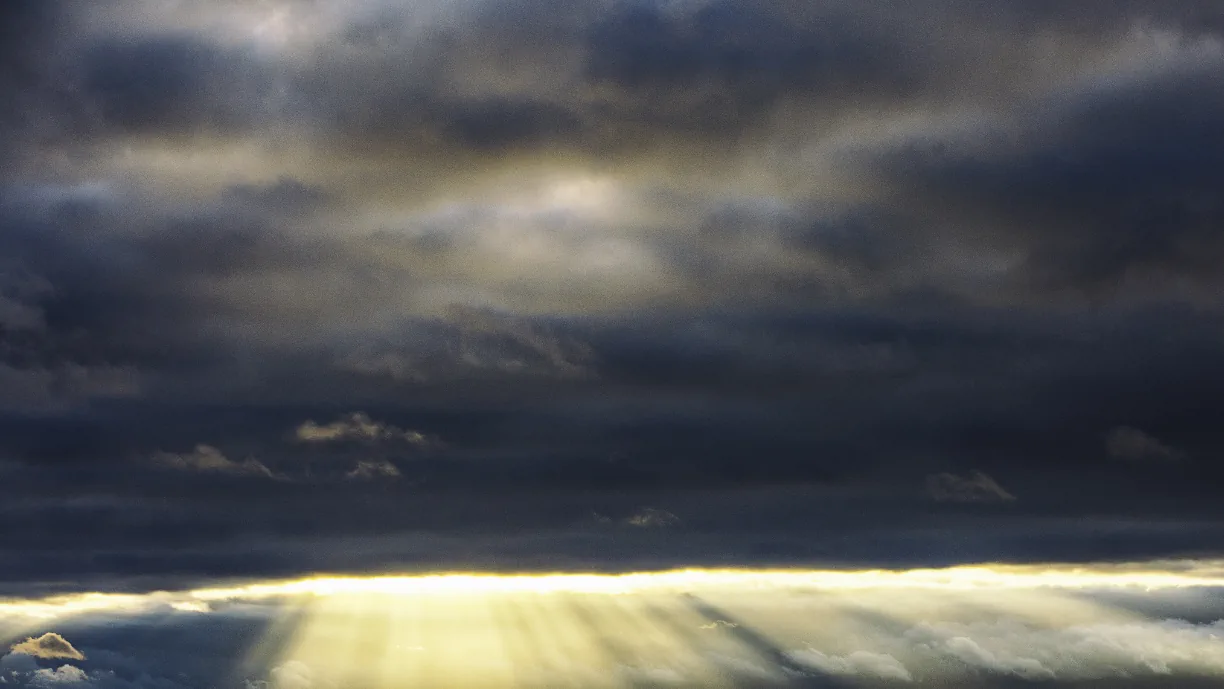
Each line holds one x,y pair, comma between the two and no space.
708,628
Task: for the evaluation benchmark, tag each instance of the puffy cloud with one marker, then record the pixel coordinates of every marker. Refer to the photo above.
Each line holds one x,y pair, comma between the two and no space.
358,426
862,663
48,646
65,677
1133,445
976,487
208,459
1081,652
969,652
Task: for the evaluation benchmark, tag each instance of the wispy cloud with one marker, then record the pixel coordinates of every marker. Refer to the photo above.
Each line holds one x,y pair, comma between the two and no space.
974,487
358,426
208,459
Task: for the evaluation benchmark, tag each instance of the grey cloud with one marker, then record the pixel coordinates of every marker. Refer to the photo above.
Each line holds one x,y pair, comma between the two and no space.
1103,188
975,487
208,459
171,85
507,343
759,247
1133,445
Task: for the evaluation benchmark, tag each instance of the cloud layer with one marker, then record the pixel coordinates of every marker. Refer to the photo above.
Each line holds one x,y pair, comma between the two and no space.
288,286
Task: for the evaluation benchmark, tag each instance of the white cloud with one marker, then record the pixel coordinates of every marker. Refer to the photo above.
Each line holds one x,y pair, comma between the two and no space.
61,677
191,606
976,487
1082,652
969,652
208,459
358,426
293,675
48,646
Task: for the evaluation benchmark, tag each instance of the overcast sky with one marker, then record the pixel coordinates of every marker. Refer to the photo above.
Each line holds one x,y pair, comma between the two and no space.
290,285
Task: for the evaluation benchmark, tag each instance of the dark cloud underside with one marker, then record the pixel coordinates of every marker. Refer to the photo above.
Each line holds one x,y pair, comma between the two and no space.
432,284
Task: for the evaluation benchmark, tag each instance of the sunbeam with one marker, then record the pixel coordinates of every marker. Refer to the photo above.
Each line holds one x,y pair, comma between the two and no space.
707,628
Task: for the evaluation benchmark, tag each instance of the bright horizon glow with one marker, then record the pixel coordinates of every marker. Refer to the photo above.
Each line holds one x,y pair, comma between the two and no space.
1150,576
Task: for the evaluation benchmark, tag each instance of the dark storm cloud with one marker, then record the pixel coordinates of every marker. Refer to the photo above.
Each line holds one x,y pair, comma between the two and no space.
976,487
1109,187
572,257
170,86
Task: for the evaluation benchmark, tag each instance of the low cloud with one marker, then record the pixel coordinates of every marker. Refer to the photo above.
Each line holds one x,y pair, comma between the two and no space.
861,663
1133,445
48,646
63,676
358,426
976,487
208,459
1083,652
971,653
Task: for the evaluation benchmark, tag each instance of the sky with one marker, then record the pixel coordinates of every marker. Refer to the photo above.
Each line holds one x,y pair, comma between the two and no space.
292,287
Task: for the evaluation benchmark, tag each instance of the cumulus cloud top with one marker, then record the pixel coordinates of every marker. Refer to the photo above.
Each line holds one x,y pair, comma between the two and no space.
48,646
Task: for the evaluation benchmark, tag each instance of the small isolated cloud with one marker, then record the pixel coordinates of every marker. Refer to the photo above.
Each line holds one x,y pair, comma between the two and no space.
369,470
208,459
360,427
719,624
1133,445
48,646
861,663
976,487
651,518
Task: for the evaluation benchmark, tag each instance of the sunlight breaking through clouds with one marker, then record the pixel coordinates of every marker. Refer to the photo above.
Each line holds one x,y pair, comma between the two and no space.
708,628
